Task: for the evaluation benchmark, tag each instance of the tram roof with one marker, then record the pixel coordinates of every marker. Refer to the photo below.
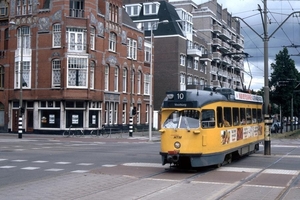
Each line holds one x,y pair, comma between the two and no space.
199,98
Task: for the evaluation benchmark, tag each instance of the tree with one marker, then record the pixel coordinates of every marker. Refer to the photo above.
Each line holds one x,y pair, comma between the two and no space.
284,79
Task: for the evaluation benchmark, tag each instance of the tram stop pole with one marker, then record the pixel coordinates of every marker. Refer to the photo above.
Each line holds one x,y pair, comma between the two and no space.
267,144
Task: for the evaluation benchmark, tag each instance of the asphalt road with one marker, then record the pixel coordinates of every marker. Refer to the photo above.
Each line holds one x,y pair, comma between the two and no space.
53,167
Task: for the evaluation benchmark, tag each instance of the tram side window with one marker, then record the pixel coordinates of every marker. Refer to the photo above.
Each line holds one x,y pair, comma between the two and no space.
236,118
243,116
220,116
183,119
254,115
259,115
208,118
248,115
227,117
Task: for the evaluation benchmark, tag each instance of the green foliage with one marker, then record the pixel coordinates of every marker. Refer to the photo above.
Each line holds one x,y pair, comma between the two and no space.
284,79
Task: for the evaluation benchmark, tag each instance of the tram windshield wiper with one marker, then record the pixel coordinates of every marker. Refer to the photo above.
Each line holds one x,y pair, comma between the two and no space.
187,124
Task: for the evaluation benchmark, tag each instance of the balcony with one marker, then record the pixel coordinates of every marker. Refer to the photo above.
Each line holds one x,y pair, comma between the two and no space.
217,56
217,42
225,35
217,28
238,43
195,52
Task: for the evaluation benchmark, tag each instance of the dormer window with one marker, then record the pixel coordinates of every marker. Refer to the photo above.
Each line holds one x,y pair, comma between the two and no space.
151,8
133,9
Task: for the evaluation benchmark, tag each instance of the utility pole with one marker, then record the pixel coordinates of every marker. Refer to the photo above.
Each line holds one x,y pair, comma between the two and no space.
265,39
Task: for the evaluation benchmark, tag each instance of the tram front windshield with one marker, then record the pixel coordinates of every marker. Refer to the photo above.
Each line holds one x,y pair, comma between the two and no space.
183,119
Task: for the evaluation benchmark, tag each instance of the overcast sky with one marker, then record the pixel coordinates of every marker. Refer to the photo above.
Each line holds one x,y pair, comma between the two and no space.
288,34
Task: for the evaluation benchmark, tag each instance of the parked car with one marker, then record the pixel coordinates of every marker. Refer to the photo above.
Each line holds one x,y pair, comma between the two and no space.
276,126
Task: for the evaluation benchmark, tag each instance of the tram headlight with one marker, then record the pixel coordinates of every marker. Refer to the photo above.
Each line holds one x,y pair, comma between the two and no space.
177,145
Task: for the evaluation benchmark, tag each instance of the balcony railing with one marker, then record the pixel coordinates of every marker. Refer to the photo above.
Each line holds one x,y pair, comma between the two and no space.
78,13
195,52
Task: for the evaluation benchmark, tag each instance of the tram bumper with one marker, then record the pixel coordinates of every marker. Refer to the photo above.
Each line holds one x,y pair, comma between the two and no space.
170,157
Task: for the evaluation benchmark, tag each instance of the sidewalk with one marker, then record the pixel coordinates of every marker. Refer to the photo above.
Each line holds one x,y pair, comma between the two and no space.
115,136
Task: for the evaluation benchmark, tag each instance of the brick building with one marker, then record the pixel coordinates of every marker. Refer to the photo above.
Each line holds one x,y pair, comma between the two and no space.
83,65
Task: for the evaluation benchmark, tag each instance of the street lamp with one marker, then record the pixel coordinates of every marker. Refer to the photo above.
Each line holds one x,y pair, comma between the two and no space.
151,75
20,127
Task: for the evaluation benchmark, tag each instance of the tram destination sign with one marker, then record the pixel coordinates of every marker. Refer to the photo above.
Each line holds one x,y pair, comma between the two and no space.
248,97
180,104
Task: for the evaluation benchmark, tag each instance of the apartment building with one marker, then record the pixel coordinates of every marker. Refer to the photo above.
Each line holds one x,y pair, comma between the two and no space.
221,30
64,63
180,57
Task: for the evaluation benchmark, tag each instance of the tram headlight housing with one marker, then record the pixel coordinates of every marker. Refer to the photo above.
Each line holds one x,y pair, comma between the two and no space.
177,145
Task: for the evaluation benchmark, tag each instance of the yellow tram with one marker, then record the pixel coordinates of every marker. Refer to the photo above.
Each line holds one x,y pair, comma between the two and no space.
202,128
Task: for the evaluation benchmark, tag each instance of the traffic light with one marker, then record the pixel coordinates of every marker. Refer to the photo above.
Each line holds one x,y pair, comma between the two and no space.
133,112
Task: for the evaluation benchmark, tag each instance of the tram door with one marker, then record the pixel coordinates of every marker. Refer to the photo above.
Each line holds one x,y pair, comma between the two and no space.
15,122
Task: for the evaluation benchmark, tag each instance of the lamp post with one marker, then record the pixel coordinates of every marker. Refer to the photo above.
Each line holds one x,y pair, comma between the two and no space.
20,123
151,77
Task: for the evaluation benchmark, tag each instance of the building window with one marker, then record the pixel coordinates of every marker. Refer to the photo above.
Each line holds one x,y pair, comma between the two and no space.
147,84
124,113
139,82
56,75
132,81
182,81
189,63
76,38
147,114
147,54
106,113
196,81
92,39
106,78
3,9
116,108
112,42
77,72
190,80
151,8
1,77
138,114
131,49
196,62
124,80
113,13
26,75
92,74
25,33
133,10
77,8
182,60
56,36
116,79
24,7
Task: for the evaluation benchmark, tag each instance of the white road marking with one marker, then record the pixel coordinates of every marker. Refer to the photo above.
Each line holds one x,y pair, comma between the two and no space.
6,167
80,171
40,161
281,171
239,169
2,159
85,164
109,165
30,168
18,160
158,165
63,163
53,170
